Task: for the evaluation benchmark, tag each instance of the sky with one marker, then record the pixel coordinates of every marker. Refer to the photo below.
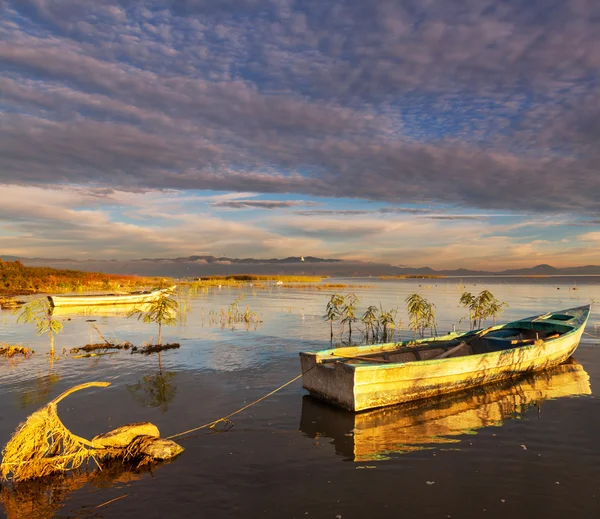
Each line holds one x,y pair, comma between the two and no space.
435,133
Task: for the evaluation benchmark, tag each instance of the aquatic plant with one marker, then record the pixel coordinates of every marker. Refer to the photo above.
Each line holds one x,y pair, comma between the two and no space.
421,315
371,322
483,306
10,350
234,315
380,325
333,311
164,311
40,312
387,324
348,313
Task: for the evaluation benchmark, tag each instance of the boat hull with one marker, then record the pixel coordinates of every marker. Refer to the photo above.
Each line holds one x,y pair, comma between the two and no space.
373,435
362,386
105,299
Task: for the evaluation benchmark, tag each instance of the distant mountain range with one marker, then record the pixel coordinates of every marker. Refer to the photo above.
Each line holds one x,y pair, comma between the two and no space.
193,266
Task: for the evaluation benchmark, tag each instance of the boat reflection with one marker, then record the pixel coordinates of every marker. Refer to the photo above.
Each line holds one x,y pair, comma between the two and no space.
100,310
44,498
374,435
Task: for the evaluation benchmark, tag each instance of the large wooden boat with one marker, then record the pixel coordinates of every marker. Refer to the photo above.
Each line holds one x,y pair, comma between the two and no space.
130,298
366,377
425,424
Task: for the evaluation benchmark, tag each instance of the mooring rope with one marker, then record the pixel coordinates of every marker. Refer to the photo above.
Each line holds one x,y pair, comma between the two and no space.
226,418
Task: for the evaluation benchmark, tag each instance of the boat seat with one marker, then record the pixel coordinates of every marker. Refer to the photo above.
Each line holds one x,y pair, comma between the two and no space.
490,344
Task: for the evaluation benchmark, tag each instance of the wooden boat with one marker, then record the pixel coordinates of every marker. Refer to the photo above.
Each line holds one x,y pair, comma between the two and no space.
366,377
424,424
130,298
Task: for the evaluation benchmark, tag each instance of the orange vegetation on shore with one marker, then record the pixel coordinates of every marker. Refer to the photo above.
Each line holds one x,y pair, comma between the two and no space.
16,278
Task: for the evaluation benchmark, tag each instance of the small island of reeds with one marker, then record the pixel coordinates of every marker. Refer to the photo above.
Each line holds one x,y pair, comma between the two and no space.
412,276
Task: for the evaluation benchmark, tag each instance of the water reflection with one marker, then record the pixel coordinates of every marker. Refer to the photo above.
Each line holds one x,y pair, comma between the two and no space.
99,310
42,499
373,435
41,388
156,390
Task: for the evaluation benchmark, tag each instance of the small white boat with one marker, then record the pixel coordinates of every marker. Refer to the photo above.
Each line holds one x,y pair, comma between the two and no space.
142,296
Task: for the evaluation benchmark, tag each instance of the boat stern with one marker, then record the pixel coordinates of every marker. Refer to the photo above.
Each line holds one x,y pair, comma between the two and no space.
329,381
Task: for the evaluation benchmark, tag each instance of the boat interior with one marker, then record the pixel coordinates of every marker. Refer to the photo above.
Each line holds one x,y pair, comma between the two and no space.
513,335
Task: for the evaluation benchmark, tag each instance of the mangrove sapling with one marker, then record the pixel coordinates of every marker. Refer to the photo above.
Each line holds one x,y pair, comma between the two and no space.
421,315
481,307
348,313
333,311
371,322
164,310
40,313
387,324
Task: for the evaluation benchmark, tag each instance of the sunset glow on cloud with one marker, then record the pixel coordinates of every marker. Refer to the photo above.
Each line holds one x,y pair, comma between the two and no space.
440,133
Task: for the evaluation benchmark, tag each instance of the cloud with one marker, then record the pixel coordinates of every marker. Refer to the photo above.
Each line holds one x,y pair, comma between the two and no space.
351,99
476,106
260,204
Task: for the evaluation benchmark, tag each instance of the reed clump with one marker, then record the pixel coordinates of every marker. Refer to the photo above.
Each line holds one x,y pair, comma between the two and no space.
421,315
481,307
42,445
155,348
10,350
101,346
234,314
10,303
379,325
323,286
413,276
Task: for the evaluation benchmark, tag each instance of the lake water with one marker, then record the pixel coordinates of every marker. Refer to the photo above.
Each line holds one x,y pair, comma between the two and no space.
524,448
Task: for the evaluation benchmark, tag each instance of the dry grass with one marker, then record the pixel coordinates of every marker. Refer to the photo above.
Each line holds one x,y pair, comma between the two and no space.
10,350
413,276
10,303
101,346
323,286
155,348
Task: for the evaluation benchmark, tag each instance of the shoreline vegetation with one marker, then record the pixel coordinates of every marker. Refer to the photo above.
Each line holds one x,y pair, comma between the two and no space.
413,276
17,279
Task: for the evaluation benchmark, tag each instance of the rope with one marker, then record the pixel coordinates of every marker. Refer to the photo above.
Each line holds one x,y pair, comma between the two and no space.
226,418
112,501
591,335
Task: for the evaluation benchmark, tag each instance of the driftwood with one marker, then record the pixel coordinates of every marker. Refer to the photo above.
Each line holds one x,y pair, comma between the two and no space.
42,445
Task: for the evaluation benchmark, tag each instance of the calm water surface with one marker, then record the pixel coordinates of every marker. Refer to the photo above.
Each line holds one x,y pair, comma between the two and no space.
524,448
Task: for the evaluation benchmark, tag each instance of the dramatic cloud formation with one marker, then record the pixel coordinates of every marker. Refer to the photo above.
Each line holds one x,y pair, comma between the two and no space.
436,112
